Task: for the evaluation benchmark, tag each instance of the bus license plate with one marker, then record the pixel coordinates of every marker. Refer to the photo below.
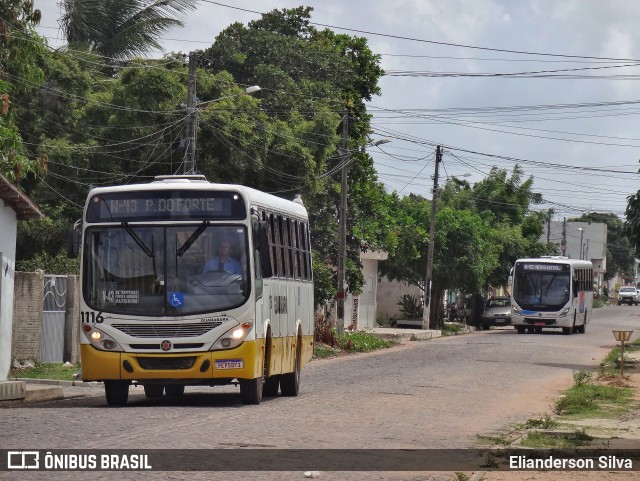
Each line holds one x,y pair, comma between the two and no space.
230,364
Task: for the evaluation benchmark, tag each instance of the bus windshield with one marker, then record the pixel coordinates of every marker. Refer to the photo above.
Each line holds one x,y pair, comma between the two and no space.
165,271
540,290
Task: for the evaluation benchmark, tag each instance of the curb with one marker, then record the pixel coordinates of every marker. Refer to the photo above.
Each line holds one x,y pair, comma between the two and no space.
57,382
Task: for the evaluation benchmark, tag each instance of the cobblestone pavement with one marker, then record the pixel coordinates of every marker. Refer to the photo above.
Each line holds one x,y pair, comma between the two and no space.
431,394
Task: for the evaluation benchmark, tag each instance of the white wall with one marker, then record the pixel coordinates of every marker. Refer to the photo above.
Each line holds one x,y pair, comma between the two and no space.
8,232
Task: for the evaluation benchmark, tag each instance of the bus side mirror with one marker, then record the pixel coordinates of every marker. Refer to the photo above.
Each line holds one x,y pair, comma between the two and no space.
73,240
510,281
263,247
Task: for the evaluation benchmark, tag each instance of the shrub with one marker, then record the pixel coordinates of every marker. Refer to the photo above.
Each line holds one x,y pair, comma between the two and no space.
325,331
410,307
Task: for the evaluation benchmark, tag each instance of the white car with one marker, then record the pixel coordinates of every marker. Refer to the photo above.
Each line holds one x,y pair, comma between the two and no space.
628,294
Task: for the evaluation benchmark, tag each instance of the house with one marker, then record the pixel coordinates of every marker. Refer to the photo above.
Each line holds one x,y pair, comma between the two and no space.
581,240
14,206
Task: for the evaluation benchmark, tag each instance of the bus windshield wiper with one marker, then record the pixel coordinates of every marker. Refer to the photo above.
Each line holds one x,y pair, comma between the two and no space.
135,237
189,242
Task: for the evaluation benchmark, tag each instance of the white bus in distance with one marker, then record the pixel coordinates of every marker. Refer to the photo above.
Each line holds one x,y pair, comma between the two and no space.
551,292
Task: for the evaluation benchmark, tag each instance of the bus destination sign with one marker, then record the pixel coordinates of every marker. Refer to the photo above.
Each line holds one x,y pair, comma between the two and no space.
159,205
542,267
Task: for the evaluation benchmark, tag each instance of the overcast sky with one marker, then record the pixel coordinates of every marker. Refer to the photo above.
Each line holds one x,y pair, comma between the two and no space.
575,131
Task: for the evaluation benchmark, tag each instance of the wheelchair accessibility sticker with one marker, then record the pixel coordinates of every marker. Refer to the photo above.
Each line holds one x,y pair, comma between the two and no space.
176,299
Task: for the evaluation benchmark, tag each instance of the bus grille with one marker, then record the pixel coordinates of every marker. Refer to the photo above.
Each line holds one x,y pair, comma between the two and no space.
183,345
167,330
160,363
538,320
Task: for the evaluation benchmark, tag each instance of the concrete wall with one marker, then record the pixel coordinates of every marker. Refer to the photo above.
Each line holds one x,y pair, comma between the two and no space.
388,295
27,315
9,224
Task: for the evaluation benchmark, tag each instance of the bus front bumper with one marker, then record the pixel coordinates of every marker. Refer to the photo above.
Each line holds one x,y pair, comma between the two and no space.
241,363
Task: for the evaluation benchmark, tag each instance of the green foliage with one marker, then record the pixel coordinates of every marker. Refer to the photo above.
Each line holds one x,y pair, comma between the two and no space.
46,370
589,399
51,264
362,342
325,331
120,29
574,439
410,307
544,422
20,52
324,282
580,378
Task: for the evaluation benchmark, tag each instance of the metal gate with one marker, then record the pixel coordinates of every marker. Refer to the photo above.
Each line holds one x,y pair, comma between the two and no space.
53,319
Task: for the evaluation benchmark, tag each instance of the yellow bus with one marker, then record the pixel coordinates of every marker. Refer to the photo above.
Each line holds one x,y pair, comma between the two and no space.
187,282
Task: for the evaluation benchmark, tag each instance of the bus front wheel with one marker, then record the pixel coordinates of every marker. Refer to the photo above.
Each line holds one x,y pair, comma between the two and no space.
251,390
117,392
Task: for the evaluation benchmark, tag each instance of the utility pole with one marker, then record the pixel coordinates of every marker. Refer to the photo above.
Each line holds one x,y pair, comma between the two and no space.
432,238
342,243
563,244
190,151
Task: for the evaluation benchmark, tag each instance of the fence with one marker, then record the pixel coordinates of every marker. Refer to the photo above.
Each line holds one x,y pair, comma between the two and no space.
45,317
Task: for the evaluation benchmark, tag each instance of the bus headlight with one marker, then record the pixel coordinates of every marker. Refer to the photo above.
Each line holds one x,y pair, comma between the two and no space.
233,337
100,340
564,312
516,310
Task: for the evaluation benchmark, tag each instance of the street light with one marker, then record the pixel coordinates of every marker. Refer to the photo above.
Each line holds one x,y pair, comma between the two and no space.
342,242
581,236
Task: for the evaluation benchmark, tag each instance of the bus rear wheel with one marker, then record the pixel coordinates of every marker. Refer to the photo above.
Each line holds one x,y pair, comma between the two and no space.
153,390
290,382
174,390
116,392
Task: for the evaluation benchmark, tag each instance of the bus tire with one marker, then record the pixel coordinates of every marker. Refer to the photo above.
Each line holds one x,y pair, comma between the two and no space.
174,390
271,383
271,386
251,390
116,392
153,390
290,382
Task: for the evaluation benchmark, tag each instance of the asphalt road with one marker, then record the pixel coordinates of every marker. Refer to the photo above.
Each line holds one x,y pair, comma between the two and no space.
430,394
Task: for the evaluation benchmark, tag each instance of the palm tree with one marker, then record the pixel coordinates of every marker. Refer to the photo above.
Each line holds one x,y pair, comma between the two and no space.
120,29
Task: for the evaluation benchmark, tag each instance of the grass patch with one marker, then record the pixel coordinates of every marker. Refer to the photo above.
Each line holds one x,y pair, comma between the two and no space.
362,342
46,370
322,351
544,422
594,400
610,365
449,329
556,440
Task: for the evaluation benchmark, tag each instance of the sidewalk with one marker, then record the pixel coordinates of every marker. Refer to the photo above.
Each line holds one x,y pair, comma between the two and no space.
44,390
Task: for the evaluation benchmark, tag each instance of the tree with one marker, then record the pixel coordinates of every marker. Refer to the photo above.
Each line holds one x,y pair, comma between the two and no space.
309,79
20,50
120,29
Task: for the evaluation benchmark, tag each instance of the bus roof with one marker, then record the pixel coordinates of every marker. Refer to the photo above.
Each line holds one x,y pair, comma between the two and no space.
557,260
255,198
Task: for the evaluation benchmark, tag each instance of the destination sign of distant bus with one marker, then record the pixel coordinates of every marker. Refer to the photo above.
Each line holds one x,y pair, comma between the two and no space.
541,267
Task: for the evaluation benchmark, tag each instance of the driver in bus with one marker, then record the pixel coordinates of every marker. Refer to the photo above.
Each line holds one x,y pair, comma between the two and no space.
223,261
